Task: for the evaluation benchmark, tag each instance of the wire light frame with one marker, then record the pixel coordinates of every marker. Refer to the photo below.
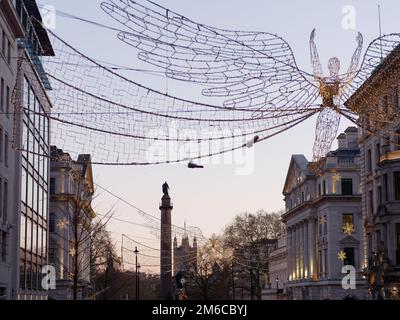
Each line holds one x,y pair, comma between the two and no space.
249,69
118,121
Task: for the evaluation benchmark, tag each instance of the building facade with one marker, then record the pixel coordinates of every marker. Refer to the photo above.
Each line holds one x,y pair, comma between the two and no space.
380,149
185,255
70,224
24,145
276,281
10,29
324,223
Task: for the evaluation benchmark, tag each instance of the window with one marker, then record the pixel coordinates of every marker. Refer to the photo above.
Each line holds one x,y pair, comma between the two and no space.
371,202
2,94
52,222
28,234
395,99
34,238
380,199
347,186
22,282
28,276
347,220
324,187
319,189
325,225
350,257
1,196
6,150
52,185
378,152
8,102
398,243
369,161
385,105
23,230
4,247
3,43
397,140
1,145
320,262
396,175
385,185
8,51
5,202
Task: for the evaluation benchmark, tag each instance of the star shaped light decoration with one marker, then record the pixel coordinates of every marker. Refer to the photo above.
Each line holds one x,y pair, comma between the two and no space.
322,220
348,229
62,224
72,252
341,255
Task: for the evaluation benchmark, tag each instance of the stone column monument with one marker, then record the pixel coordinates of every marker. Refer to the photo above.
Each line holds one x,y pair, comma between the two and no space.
166,245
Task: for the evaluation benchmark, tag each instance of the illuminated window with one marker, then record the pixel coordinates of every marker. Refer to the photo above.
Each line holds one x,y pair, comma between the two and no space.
23,230
347,220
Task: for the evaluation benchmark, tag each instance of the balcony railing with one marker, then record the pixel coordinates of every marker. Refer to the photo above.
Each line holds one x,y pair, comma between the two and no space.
31,41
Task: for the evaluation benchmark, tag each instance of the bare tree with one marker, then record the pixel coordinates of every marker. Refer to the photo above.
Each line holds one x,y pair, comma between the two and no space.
77,227
249,237
208,274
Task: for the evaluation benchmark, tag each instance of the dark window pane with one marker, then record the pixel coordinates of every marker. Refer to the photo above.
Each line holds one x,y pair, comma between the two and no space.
347,187
398,243
397,185
349,260
52,185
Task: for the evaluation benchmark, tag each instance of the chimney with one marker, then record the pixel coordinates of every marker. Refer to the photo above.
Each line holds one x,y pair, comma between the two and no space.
342,143
352,137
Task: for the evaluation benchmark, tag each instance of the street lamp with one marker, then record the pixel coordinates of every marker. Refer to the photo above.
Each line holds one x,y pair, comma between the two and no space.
138,282
136,270
277,287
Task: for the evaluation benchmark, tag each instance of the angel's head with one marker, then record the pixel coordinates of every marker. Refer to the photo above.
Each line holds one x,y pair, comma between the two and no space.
334,66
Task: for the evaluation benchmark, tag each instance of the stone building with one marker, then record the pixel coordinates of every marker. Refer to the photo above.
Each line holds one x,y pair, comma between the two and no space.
23,174
380,149
276,281
185,255
251,268
323,219
70,223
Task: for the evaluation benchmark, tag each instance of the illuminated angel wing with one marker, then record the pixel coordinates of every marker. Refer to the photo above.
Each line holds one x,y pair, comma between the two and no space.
248,69
378,50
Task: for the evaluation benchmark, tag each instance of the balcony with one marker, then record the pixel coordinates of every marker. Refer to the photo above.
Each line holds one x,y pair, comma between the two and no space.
32,41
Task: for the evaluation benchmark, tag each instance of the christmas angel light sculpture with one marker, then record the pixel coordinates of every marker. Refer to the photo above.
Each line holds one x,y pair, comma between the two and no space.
252,71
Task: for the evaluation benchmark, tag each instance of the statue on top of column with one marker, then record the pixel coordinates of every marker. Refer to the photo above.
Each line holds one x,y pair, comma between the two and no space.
165,188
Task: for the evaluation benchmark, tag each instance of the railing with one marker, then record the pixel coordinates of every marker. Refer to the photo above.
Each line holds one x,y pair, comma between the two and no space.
31,41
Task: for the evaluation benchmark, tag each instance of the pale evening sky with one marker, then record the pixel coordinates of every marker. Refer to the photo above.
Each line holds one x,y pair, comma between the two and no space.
209,198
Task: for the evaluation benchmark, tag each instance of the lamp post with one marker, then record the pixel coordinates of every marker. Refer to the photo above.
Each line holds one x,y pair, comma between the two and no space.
277,287
138,283
136,270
